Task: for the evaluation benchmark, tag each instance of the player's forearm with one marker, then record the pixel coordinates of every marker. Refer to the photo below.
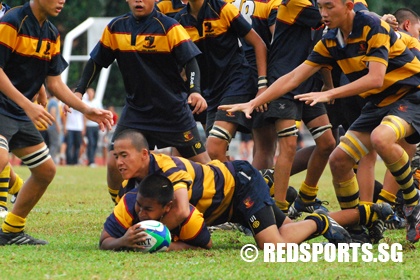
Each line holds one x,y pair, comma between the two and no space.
111,243
90,73
364,84
63,93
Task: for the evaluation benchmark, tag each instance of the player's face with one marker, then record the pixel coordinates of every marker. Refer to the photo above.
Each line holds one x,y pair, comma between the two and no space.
141,8
47,8
149,209
131,163
414,29
334,12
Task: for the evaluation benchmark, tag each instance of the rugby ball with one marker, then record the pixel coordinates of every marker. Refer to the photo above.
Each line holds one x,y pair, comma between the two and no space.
158,236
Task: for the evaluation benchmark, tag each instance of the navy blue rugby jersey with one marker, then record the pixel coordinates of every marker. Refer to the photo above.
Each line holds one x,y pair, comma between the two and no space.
261,14
292,41
371,39
224,69
150,52
28,54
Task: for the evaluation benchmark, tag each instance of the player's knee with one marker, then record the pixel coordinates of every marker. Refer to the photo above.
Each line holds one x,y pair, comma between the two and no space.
340,161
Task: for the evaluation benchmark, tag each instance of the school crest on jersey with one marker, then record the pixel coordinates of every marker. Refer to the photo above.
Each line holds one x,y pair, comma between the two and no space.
208,27
362,48
149,42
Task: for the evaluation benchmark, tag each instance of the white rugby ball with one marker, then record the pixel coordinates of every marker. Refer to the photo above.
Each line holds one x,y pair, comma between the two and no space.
158,236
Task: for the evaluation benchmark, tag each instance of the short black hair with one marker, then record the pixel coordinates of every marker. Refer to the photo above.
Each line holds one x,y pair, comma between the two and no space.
156,186
405,13
137,138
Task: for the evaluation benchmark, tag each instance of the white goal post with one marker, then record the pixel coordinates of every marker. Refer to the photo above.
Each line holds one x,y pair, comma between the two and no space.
94,27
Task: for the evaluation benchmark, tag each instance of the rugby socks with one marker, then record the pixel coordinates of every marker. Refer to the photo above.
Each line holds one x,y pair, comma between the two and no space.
347,193
401,170
385,196
17,185
366,215
321,221
283,206
4,186
308,193
13,223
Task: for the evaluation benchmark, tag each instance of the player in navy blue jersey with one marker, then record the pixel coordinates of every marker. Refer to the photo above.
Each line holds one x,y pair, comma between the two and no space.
262,16
29,57
215,27
293,38
384,71
150,49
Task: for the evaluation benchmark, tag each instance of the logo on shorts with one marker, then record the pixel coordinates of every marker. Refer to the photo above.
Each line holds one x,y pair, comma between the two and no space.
188,136
282,106
402,108
254,221
197,145
248,202
230,114
256,224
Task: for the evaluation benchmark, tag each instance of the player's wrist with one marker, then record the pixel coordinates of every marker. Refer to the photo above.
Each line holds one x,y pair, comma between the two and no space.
262,82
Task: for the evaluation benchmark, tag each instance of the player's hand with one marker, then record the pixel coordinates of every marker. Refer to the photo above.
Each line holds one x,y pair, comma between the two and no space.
102,117
66,109
198,102
42,100
263,107
39,116
313,98
247,108
133,237
391,20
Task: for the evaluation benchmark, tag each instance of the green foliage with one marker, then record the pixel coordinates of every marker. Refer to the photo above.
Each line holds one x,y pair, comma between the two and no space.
71,215
388,7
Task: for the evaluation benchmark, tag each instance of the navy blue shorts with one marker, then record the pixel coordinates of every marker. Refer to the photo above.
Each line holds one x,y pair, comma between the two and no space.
244,124
187,143
251,192
407,108
19,134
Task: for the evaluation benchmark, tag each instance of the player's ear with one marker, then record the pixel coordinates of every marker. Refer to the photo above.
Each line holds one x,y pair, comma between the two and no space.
350,5
168,206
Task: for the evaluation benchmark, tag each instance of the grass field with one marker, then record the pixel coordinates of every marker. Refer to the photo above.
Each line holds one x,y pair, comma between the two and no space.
71,214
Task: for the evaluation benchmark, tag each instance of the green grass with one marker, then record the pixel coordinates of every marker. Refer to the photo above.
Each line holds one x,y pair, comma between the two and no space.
71,214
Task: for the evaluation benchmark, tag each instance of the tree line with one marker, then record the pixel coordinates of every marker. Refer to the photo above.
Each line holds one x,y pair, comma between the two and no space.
76,11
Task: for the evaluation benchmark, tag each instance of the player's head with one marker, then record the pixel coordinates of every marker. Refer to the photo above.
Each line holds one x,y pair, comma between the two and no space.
141,8
131,152
409,21
45,8
154,197
336,13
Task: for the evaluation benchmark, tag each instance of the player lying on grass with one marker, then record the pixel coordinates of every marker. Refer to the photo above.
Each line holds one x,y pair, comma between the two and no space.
151,200
236,192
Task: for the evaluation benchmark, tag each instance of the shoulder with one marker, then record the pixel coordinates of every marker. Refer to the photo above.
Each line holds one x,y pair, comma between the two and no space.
118,21
14,15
